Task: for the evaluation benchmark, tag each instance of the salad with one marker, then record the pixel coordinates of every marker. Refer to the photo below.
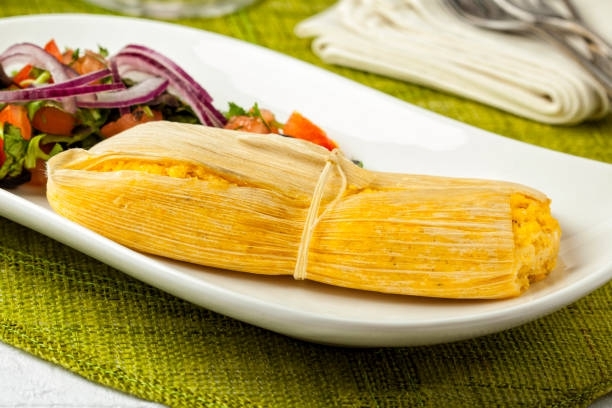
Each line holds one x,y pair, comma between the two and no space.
52,100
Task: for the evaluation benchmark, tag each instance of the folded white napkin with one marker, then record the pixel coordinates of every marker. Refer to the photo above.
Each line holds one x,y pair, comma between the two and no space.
422,41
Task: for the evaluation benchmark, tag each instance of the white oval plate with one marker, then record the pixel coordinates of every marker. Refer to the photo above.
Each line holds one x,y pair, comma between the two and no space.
386,134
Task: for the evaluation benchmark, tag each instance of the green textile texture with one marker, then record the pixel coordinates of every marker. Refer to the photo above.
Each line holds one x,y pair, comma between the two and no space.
72,310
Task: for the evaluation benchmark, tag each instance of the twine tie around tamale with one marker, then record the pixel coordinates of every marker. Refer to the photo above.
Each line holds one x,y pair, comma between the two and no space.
313,217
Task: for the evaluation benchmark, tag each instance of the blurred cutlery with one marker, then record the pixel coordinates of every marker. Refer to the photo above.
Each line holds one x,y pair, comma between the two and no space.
507,15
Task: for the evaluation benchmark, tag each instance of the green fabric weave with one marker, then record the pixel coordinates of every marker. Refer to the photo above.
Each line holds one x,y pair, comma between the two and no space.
74,311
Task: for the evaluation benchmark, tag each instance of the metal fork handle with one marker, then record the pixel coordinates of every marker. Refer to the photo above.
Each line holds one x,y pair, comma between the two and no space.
555,29
601,75
571,26
601,53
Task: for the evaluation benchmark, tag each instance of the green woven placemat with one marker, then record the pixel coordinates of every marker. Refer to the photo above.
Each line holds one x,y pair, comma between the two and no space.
81,314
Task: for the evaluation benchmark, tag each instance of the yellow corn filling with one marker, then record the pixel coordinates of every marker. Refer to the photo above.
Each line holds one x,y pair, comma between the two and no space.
536,237
165,167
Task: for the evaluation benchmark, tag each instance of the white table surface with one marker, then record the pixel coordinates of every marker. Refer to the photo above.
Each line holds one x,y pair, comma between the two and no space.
29,382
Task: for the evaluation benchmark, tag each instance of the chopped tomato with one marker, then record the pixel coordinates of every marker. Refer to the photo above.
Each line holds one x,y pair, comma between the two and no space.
300,127
263,122
24,74
52,48
68,56
17,115
129,120
89,62
53,120
38,175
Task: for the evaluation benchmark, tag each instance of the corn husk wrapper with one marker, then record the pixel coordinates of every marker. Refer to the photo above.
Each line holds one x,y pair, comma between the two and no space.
268,204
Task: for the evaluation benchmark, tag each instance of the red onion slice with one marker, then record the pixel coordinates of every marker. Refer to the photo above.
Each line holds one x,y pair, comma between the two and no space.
170,66
29,53
88,78
117,78
142,59
53,92
140,93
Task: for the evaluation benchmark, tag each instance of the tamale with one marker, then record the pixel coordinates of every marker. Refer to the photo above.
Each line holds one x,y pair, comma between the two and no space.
268,204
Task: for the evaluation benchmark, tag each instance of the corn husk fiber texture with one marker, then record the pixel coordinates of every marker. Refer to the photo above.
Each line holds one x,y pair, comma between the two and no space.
272,205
